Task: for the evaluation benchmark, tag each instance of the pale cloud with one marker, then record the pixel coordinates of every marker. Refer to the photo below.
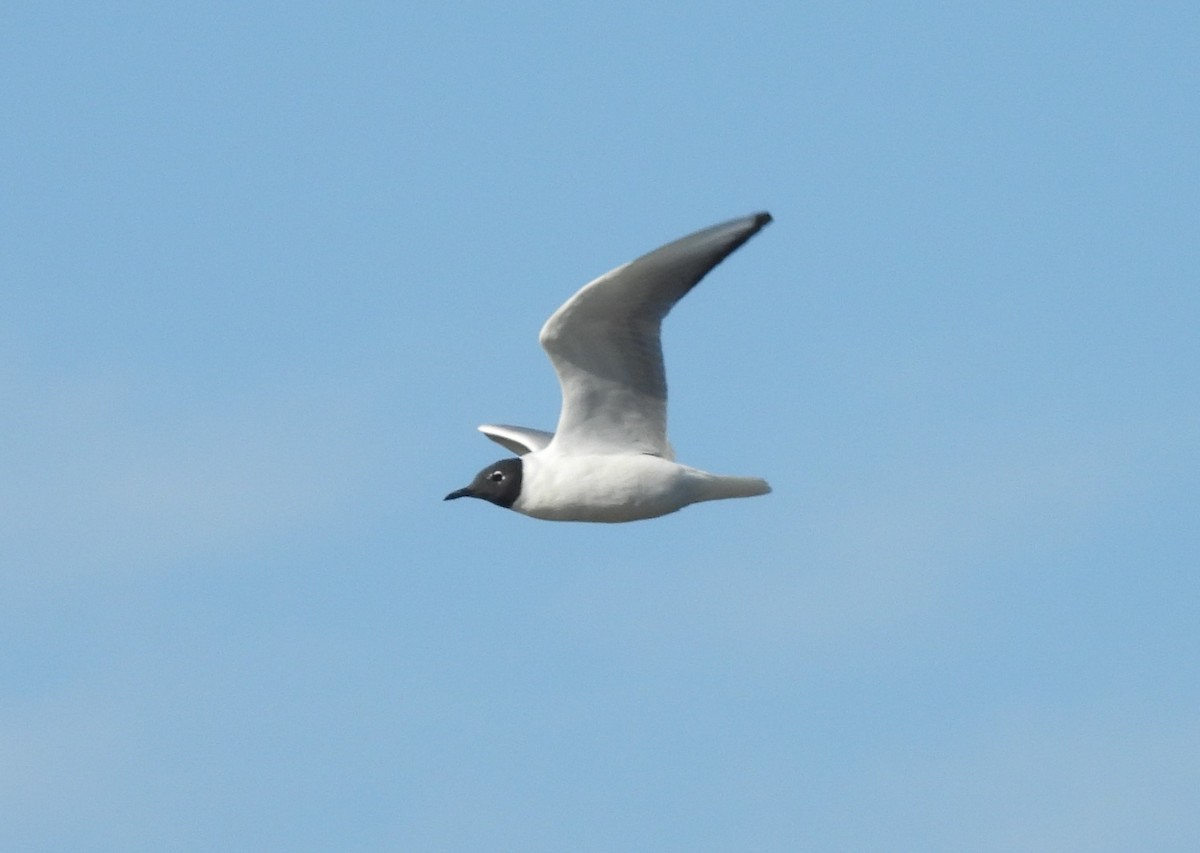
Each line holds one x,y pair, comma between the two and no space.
63,757
101,474
1113,775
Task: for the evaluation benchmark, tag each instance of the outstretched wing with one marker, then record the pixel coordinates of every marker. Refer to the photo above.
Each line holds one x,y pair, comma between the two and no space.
519,440
605,343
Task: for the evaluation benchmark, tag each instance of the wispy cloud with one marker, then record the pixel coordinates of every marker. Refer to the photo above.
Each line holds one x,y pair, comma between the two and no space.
1116,775
101,473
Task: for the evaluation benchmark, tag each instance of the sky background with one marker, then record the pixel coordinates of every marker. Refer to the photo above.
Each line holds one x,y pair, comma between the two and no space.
264,267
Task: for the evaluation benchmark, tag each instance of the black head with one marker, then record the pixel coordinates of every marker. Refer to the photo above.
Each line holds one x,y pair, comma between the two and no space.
499,483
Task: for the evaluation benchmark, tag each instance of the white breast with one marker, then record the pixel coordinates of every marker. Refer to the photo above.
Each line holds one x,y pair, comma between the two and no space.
613,487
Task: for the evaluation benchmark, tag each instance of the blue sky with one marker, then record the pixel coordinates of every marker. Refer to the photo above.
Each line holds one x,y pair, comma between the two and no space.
266,266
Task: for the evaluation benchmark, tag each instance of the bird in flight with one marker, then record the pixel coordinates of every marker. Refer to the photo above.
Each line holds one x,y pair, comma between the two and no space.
608,460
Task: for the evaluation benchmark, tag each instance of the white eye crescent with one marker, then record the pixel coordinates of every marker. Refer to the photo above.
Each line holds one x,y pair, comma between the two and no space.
496,476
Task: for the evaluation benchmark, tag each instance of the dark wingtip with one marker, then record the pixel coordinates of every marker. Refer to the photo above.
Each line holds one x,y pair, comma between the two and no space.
760,220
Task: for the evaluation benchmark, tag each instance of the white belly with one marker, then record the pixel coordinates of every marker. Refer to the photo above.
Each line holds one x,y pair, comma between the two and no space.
602,488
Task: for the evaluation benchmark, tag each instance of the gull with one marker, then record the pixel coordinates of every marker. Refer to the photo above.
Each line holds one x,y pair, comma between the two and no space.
608,460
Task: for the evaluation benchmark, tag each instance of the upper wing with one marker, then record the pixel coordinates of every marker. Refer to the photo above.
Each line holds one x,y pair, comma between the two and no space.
605,345
520,440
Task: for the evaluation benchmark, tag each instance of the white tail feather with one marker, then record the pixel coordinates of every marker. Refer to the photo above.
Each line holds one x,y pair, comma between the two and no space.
714,487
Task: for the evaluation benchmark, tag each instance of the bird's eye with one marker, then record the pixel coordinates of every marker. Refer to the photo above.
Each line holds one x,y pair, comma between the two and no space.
496,476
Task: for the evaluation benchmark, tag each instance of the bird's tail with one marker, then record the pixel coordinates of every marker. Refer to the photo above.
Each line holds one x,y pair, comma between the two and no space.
715,487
